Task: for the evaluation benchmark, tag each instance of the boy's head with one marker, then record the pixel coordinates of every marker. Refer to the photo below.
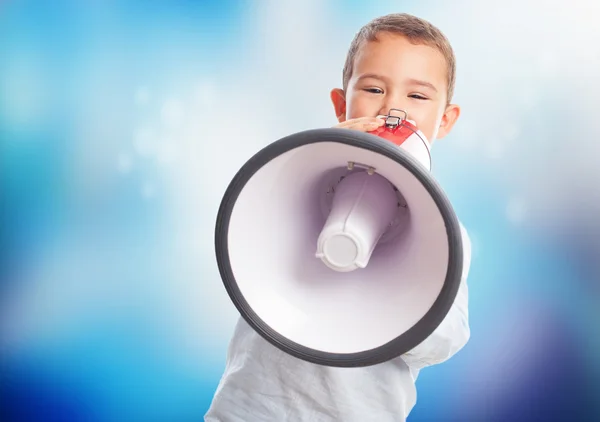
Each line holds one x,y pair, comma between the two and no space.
403,62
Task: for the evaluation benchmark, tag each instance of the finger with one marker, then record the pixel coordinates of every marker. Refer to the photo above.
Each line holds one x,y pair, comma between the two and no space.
363,124
368,121
358,121
369,125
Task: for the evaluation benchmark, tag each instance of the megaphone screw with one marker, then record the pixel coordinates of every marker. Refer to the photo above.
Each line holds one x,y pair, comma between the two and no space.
350,165
371,171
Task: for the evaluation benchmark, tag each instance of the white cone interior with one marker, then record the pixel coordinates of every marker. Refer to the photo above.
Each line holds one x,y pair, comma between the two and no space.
363,207
273,230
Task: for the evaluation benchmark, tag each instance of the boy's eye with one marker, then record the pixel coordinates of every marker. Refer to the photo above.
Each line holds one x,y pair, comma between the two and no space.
417,96
374,90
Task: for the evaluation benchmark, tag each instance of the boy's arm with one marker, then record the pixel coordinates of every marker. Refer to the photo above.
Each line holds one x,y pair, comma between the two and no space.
454,332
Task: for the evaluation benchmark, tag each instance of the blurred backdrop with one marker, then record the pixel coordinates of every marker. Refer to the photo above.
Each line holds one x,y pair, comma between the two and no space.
122,122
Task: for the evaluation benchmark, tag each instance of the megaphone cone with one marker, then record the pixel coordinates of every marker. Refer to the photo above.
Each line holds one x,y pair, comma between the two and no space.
338,247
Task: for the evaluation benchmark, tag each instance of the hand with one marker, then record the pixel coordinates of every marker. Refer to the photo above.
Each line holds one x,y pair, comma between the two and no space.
363,124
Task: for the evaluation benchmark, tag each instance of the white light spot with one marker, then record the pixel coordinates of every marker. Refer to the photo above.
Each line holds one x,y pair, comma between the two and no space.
172,113
516,211
24,91
142,96
143,141
124,163
166,153
148,191
204,94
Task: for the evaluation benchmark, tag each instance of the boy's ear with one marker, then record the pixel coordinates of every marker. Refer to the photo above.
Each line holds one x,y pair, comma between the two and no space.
338,98
450,116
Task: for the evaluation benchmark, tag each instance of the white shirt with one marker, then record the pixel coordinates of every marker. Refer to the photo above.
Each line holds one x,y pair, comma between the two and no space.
263,384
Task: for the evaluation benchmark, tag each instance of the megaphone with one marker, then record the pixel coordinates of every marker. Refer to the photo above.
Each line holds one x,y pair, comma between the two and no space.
338,247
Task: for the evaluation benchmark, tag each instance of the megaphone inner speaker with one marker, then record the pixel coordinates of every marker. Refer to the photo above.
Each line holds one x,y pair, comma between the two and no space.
268,227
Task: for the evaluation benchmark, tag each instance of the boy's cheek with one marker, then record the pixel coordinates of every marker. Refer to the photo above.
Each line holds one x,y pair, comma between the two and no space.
362,110
358,105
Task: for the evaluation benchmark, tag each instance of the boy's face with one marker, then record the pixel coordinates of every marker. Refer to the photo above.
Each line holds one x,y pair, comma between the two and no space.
393,73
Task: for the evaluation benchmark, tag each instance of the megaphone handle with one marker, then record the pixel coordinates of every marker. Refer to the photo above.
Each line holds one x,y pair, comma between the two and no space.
398,119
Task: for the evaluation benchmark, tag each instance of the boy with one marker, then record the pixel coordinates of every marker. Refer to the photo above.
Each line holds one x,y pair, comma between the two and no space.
396,61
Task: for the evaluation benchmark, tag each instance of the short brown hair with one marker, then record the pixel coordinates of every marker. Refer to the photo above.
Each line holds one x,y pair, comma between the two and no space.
415,29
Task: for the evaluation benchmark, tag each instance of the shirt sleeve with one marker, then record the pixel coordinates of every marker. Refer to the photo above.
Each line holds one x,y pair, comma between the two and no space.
454,332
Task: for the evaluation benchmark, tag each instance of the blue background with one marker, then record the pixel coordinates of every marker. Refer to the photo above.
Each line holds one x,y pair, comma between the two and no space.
121,124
